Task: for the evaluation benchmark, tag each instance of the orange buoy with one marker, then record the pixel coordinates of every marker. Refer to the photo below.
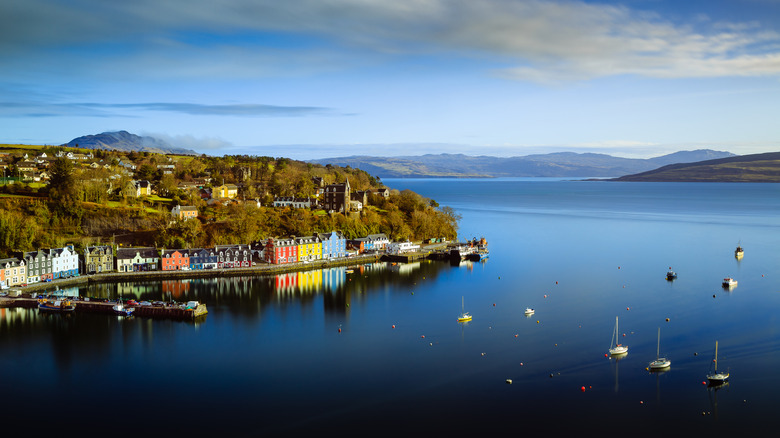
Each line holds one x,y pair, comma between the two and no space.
494,304
515,335
582,389
339,329
393,325
422,336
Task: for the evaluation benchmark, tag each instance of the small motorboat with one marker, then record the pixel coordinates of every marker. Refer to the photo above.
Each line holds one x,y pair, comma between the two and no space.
729,282
529,311
120,309
671,275
739,252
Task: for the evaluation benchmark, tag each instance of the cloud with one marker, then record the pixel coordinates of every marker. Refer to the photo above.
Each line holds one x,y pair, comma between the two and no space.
91,109
535,40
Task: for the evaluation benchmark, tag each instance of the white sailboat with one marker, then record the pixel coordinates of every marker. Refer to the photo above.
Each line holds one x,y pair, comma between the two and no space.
616,348
464,316
659,363
717,377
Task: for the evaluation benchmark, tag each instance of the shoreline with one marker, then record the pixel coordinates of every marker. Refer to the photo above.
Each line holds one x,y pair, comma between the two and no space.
265,269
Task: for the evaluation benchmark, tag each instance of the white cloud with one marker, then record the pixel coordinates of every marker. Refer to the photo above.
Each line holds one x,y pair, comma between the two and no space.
537,40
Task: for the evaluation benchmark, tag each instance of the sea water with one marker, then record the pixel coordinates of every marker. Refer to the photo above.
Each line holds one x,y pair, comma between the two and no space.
379,351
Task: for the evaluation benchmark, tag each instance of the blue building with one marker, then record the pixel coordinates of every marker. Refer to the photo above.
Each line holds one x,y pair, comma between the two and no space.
334,245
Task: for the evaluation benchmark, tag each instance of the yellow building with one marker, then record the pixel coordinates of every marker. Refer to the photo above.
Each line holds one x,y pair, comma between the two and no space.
225,191
309,248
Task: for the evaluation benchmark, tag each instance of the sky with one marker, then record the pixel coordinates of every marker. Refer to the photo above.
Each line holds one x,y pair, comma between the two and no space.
311,79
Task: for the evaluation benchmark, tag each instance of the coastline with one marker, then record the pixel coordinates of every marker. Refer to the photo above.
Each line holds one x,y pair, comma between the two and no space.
265,269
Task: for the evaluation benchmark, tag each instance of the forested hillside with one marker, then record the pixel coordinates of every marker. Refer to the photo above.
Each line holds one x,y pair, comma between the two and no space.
93,197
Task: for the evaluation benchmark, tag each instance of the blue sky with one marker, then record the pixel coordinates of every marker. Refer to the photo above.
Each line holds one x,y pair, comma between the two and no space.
310,79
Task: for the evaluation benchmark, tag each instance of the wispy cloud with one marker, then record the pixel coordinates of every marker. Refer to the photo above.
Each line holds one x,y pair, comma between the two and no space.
91,109
536,40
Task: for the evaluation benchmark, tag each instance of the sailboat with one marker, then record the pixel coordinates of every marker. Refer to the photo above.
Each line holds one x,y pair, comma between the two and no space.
616,348
717,377
659,363
464,316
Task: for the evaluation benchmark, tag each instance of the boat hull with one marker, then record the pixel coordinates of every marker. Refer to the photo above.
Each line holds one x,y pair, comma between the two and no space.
620,349
53,308
660,364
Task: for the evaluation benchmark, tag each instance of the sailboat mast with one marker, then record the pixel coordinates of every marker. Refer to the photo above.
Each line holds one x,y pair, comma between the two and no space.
658,348
716,356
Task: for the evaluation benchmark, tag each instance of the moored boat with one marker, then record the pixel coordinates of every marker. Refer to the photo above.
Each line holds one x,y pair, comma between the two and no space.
56,305
616,348
716,377
729,282
464,316
120,309
529,311
671,275
660,363
739,252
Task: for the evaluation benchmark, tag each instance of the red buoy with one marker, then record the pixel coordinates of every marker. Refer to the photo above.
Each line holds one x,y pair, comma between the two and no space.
582,389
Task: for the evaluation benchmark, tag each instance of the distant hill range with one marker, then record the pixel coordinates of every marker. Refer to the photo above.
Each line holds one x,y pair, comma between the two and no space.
744,168
126,142
561,164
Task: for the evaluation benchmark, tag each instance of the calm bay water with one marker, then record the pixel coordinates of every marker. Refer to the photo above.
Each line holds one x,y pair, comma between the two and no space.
269,358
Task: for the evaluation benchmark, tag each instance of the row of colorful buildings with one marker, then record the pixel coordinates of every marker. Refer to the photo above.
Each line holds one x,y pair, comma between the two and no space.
47,265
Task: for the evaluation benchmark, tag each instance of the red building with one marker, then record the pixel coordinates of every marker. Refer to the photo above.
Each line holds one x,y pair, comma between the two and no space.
279,251
175,259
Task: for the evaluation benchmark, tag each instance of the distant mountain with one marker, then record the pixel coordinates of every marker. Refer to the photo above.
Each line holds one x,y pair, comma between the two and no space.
126,142
561,164
744,168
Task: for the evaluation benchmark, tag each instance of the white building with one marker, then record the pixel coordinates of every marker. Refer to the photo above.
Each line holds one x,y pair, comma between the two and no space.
401,247
65,262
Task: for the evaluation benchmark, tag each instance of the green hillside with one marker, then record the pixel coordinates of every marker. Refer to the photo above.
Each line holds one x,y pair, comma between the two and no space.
745,168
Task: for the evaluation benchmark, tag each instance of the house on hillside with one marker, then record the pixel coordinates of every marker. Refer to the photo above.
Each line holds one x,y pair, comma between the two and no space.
383,192
336,197
184,212
290,201
228,191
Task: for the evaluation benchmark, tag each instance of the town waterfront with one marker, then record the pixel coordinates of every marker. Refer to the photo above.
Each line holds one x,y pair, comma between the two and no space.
378,350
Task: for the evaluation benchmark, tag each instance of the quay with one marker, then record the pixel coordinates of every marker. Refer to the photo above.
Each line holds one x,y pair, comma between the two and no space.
166,311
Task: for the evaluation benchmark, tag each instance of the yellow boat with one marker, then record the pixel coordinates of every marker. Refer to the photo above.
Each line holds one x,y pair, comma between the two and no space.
464,316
